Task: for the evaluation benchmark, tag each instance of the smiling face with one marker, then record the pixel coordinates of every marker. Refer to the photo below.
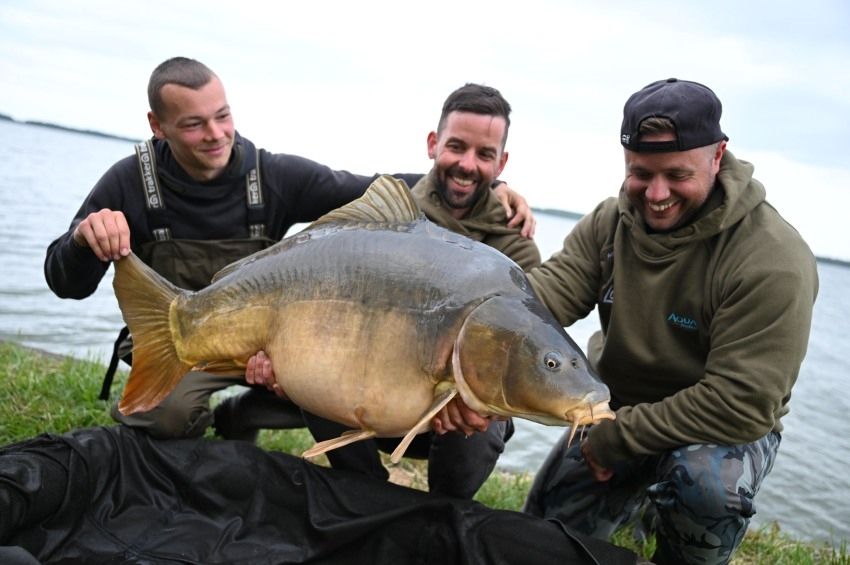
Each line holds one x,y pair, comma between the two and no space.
468,156
669,188
198,126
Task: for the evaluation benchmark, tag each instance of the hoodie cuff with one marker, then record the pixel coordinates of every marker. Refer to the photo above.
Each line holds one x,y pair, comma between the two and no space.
607,445
79,254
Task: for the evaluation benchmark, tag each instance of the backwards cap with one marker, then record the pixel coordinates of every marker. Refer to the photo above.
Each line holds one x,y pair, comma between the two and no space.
692,107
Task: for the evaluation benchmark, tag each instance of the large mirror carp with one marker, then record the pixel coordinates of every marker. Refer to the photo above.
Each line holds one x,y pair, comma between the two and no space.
373,317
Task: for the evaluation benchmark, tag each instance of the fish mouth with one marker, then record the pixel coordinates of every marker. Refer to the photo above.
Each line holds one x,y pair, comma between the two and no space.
593,414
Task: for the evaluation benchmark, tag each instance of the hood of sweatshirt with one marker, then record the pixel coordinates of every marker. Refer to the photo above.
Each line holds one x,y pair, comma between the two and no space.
487,216
242,159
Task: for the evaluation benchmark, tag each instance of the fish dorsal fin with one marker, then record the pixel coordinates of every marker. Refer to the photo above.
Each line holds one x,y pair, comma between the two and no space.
388,200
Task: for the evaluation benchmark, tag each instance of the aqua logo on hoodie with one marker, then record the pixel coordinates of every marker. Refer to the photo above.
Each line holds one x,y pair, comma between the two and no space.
682,322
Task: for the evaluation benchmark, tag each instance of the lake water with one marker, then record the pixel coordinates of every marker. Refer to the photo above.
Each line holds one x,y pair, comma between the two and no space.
45,174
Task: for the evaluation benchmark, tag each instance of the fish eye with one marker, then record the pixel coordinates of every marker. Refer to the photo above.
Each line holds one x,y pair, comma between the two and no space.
552,361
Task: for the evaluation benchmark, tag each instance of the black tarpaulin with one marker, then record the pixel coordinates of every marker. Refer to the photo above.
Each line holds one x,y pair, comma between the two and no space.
115,495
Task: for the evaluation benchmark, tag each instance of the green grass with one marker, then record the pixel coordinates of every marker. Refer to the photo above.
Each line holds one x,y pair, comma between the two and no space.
47,393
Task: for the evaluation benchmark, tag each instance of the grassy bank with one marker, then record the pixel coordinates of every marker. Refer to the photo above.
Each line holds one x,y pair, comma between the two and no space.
47,393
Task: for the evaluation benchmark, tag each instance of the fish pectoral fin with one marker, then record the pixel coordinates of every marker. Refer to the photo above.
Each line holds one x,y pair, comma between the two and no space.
350,436
222,367
423,424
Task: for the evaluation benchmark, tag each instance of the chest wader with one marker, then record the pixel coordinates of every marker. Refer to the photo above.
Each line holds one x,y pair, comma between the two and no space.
187,263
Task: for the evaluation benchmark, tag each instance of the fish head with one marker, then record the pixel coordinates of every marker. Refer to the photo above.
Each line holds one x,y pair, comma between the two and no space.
512,358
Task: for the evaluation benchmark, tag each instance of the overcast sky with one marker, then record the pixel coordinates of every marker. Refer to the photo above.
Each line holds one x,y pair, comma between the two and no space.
358,85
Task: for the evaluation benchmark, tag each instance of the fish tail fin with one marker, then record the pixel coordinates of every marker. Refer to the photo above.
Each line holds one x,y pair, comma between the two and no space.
145,300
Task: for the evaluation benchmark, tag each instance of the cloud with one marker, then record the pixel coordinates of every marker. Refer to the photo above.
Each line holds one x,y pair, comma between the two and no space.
359,85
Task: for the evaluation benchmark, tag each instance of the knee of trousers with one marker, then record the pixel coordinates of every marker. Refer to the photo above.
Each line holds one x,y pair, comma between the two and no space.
183,422
170,420
458,466
710,481
185,412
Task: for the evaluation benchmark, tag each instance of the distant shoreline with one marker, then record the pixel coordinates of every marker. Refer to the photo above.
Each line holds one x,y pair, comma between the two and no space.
577,216
8,118
549,211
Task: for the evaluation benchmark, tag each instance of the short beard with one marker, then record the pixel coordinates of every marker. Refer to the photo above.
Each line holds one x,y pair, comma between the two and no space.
445,195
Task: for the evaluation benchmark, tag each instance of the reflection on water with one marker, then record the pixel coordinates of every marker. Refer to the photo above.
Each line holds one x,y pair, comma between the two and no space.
45,174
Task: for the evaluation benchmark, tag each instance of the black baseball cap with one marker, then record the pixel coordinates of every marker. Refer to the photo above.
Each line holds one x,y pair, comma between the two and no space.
692,107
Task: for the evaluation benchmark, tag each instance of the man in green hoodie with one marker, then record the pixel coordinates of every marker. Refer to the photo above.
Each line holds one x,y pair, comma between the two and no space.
705,297
468,150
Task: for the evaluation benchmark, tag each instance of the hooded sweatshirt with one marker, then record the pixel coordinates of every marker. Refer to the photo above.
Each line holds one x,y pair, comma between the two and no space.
486,222
703,328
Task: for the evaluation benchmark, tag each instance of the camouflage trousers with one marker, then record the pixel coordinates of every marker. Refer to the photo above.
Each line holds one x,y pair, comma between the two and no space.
700,497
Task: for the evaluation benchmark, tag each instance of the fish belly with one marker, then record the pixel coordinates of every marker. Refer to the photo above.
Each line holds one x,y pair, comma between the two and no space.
353,364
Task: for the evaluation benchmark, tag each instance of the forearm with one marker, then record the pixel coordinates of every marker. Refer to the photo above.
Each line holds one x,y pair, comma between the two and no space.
569,283
72,271
522,251
696,415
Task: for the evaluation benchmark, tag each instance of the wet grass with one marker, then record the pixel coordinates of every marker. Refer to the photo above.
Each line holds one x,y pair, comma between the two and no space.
47,393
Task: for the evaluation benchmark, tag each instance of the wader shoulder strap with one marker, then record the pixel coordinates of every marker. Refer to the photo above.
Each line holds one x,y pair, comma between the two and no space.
256,202
153,195
156,205
113,364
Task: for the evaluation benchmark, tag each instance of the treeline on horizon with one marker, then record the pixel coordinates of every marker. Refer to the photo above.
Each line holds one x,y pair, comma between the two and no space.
67,128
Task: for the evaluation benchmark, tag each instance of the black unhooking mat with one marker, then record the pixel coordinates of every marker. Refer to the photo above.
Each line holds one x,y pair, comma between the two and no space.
114,495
